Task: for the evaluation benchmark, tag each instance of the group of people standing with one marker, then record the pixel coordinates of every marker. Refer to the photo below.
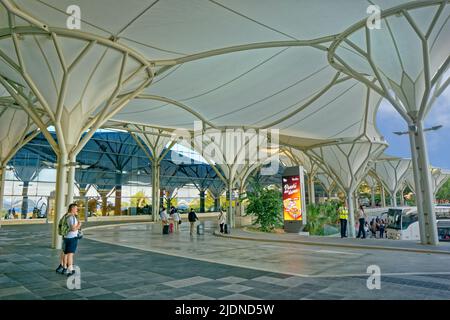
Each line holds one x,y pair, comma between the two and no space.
173,219
377,225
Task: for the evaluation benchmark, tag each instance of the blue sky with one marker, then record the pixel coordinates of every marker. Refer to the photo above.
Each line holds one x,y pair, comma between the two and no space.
388,120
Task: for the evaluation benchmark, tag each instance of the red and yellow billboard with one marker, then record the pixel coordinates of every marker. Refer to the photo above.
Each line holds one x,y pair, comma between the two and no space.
292,199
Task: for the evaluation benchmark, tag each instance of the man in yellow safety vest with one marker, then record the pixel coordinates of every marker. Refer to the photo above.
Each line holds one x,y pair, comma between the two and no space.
343,217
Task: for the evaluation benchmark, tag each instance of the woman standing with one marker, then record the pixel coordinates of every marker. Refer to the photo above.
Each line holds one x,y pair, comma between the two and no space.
176,220
362,220
222,220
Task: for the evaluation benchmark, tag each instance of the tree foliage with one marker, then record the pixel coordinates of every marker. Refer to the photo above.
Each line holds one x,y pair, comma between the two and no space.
444,192
321,215
139,200
266,205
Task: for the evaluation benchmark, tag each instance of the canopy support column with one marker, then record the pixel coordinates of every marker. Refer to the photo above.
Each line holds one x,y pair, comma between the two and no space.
402,199
155,190
71,180
84,199
216,204
25,199
351,214
202,201
420,154
2,185
418,194
372,191
60,209
118,193
311,191
103,195
393,198
230,217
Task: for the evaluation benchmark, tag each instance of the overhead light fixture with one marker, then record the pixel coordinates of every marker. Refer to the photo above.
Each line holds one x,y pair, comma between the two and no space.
414,129
434,128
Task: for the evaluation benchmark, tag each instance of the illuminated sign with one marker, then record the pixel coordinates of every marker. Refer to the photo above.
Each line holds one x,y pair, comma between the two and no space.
292,198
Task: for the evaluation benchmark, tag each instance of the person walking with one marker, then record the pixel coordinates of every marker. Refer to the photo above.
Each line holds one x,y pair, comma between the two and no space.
222,220
362,222
171,219
192,217
176,220
343,217
163,216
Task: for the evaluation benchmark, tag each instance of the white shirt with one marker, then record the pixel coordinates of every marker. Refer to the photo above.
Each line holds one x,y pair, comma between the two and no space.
164,215
222,218
361,214
72,220
176,216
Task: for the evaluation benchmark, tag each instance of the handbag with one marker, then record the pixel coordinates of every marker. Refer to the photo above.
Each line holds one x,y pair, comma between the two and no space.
179,221
80,234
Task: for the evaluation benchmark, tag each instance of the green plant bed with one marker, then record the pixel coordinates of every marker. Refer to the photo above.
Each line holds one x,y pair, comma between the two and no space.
258,229
322,219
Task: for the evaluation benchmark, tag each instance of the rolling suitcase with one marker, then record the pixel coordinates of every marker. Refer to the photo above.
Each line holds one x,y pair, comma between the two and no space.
200,229
166,229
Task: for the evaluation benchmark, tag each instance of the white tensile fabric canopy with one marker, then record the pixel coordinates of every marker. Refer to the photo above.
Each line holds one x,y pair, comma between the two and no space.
440,177
392,173
315,71
226,63
287,83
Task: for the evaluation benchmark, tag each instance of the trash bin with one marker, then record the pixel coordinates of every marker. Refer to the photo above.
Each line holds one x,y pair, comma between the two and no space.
201,229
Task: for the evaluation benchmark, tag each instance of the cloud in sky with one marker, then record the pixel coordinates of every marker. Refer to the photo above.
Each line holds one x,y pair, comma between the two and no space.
388,121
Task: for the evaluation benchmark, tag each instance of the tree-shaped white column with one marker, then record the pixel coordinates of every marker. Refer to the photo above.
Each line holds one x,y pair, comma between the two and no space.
235,154
372,182
16,130
155,143
202,176
328,183
348,162
216,189
299,158
406,61
77,80
392,172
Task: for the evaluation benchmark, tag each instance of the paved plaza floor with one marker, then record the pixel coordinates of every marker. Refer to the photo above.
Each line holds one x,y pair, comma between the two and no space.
135,261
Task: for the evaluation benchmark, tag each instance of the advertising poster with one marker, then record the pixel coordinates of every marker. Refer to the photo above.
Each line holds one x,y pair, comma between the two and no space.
292,206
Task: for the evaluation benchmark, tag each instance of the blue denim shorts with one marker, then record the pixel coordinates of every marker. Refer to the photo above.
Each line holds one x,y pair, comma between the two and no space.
70,245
